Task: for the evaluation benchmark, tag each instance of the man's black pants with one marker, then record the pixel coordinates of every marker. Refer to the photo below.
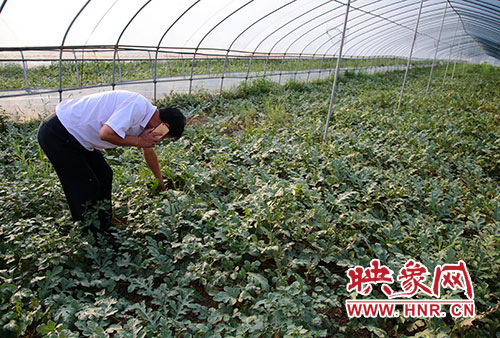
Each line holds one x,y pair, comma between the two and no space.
85,176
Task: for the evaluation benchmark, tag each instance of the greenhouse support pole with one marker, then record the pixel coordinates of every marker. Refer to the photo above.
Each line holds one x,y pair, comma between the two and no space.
113,82
463,65
459,56
76,67
297,68
24,70
155,80
337,69
321,66
436,51
119,65
409,57
151,64
248,68
451,51
281,67
309,70
223,71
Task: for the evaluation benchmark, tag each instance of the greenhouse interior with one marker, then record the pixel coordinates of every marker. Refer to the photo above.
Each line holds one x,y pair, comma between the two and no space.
338,173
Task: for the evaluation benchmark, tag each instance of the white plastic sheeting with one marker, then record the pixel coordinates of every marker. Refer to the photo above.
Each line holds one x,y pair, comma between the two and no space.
383,27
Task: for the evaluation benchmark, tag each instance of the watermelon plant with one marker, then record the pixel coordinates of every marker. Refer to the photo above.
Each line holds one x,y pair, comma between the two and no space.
262,219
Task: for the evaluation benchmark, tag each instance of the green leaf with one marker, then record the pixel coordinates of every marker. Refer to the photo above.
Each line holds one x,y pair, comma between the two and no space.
258,279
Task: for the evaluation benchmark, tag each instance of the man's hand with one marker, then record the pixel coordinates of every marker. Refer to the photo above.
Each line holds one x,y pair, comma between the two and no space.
152,162
148,138
161,187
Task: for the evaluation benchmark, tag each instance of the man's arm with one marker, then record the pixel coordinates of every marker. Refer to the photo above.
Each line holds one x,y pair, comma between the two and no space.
152,162
146,139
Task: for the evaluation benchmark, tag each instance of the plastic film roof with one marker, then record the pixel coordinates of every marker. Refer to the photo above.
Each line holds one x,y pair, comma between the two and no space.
467,30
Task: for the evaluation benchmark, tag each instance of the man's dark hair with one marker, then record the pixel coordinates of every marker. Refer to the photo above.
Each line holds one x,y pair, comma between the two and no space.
175,119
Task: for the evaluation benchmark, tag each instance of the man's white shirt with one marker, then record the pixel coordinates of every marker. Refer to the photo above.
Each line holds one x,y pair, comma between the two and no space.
125,112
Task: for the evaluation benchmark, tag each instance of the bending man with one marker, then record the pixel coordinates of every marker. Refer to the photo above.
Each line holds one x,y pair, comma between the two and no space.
73,137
